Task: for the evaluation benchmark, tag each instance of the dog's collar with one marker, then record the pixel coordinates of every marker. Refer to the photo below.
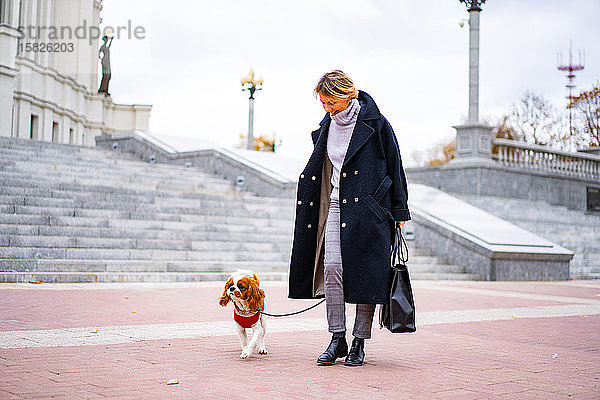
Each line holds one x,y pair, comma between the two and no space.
245,314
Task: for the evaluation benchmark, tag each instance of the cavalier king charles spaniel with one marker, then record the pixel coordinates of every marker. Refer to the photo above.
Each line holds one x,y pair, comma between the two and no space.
248,300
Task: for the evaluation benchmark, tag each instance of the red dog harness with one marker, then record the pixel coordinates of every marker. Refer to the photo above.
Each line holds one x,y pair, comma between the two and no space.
247,322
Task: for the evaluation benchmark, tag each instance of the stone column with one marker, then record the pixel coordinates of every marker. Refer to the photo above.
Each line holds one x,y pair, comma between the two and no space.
473,65
8,72
473,139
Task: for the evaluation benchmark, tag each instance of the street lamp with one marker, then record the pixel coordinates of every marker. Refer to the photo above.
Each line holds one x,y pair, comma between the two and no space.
252,85
473,139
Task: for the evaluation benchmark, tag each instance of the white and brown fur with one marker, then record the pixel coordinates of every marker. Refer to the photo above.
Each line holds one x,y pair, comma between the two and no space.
242,288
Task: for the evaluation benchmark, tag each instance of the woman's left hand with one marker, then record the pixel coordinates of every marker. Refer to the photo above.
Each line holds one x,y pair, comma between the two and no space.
400,224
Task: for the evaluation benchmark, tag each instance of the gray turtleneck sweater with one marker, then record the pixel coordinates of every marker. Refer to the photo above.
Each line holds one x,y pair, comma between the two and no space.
338,139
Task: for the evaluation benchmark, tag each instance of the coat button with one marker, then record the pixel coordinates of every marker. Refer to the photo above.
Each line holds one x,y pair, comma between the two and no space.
299,202
314,178
311,203
356,172
343,174
309,226
343,224
301,176
356,199
344,201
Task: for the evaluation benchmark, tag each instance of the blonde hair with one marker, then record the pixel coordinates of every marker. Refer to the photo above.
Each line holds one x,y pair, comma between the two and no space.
336,84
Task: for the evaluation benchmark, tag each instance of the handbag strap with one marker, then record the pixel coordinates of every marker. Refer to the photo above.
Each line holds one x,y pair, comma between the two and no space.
400,248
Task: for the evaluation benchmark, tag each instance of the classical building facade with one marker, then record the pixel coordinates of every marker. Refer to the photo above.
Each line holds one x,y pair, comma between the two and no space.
49,74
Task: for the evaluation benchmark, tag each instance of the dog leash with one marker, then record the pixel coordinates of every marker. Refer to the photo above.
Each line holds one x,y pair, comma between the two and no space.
292,313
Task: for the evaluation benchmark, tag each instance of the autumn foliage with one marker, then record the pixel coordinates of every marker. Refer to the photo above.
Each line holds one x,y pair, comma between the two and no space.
588,106
447,154
261,143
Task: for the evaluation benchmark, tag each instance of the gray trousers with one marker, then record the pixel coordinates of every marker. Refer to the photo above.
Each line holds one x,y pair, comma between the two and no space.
333,282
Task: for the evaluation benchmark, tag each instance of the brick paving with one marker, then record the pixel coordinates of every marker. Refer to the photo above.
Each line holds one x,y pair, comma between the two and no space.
476,340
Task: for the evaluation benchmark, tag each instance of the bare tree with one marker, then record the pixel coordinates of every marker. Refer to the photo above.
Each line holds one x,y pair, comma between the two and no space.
588,106
504,130
534,120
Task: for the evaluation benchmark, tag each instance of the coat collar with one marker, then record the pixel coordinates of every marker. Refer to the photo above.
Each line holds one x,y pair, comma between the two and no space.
368,109
362,131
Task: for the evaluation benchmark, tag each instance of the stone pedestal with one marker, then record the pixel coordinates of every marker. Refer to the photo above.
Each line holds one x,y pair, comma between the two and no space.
473,143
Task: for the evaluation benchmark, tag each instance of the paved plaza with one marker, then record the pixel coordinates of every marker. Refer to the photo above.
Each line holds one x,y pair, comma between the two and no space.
475,340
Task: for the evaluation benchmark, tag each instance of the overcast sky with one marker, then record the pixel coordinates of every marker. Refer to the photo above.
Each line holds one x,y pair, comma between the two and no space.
410,55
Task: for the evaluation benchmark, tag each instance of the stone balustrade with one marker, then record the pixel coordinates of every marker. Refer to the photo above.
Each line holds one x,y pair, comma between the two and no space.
516,154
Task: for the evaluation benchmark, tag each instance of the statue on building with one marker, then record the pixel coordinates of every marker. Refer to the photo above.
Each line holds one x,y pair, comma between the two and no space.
104,55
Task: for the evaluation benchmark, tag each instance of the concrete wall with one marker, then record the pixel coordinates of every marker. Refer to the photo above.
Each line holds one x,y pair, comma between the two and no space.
505,182
491,265
216,162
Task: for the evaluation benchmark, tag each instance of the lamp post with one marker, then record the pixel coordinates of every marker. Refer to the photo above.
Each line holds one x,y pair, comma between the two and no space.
474,10
252,85
473,139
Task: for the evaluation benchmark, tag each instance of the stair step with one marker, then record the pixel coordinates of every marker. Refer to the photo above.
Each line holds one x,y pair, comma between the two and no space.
426,260
435,268
63,277
186,231
440,276
68,277
119,186
584,276
139,200
136,254
140,214
110,265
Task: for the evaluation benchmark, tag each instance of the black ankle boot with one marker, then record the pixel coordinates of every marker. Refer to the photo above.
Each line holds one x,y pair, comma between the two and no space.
337,348
357,353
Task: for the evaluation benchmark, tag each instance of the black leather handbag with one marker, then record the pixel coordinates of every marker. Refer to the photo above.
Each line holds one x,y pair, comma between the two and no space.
398,315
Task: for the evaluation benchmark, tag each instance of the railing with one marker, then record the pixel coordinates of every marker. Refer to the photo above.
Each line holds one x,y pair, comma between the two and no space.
511,153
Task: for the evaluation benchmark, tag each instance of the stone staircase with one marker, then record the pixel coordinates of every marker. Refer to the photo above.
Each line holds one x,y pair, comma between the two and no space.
74,214
575,230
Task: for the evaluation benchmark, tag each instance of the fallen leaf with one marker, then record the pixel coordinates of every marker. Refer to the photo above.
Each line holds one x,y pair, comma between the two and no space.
172,381
36,282
133,312
125,297
514,316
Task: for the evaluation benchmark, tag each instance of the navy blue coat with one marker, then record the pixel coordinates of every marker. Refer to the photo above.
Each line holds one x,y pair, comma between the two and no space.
373,194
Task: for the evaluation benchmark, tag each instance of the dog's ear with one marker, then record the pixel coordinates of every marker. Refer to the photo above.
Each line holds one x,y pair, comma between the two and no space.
224,300
255,295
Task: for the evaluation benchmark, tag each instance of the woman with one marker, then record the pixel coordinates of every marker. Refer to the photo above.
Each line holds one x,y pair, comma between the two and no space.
350,195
